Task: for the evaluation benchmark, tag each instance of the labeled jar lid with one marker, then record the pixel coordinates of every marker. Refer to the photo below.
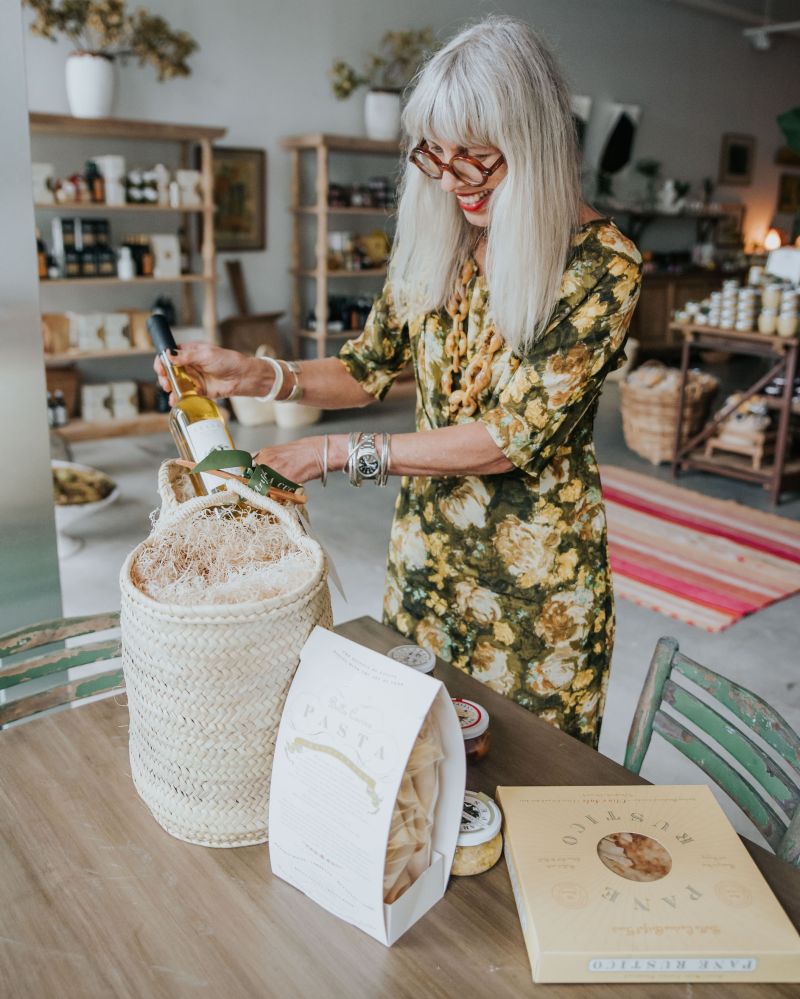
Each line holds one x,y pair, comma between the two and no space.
473,718
422,660
481,819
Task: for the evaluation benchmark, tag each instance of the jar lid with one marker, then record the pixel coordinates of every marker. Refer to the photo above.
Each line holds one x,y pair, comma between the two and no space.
422,660
473,718
481,819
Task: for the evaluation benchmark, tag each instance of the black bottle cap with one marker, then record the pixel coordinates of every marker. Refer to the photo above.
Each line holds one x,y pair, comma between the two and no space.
160,333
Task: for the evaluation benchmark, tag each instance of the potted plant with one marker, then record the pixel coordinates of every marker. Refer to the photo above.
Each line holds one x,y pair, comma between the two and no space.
102,32
386,73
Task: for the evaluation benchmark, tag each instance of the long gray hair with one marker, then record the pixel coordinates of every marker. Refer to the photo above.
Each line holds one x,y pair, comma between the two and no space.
495,84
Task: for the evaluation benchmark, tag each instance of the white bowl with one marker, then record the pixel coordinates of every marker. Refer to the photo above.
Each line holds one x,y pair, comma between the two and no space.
67,516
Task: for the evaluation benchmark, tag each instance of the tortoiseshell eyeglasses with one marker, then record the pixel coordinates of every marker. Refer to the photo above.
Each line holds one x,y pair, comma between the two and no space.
464,168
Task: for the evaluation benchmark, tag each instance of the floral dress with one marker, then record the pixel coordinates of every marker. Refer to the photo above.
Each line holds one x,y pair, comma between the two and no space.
507,576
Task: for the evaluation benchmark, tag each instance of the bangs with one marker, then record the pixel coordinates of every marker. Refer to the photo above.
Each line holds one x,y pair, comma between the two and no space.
446,107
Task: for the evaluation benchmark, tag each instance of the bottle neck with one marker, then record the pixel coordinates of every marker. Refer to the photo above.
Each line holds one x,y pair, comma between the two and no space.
182,384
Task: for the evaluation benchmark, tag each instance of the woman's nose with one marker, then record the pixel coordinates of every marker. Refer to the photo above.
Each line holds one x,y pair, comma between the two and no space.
448,182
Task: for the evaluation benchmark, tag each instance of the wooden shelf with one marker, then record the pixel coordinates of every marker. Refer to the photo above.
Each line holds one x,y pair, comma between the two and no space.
738,466
120,128
780,343
346,210
341,144
94,206
329,334
144,423
72,356
181,279
364,272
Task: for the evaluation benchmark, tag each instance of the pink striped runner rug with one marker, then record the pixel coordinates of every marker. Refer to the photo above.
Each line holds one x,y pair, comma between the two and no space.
703,561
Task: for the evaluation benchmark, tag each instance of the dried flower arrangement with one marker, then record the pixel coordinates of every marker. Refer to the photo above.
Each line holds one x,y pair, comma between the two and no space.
106,28
389,69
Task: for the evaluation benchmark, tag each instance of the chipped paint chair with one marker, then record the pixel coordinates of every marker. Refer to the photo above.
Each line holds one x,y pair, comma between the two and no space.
56,676
772,782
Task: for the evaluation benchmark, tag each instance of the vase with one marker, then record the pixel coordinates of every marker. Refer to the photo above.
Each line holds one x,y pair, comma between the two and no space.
382,115
90,84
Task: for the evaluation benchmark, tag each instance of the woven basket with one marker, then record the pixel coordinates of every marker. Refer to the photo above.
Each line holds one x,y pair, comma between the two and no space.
650,415
207,684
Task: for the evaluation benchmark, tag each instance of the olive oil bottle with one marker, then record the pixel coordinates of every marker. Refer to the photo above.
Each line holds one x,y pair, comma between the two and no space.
196,422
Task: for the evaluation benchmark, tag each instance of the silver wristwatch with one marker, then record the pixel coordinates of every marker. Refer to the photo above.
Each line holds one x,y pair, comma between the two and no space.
367,460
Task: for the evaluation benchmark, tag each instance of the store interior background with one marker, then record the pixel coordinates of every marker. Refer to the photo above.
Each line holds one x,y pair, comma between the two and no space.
261,72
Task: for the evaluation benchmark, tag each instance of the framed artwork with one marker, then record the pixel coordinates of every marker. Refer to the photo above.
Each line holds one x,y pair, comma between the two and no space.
736,159
730,228
789,193
240,197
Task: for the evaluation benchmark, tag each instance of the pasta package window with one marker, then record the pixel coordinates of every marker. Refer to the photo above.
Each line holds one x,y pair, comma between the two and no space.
367,788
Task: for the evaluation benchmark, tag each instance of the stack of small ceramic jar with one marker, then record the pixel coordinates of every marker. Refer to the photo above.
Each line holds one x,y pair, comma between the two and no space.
778,310
733,307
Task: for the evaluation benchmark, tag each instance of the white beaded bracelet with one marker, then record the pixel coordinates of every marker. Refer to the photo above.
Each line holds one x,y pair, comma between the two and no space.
277,385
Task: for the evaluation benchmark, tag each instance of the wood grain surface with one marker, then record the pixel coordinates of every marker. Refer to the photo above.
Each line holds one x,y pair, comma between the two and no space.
97,900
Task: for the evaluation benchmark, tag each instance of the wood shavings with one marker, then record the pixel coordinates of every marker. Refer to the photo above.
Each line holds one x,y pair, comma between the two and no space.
225,555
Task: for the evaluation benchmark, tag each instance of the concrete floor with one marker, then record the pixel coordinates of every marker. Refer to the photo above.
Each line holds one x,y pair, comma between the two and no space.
760,651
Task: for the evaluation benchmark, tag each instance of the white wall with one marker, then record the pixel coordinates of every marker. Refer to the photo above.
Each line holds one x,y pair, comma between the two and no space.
261,72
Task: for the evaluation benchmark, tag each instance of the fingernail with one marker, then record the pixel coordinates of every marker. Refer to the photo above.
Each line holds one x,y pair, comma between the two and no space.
173,351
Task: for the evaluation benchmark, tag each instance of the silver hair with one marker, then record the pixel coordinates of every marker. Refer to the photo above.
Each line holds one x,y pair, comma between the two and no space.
495,84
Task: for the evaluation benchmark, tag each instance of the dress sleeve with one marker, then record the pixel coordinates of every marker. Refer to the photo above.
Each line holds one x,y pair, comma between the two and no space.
552,388
378,356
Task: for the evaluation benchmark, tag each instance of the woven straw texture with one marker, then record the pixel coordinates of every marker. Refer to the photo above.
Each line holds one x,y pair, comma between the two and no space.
650,417
207,684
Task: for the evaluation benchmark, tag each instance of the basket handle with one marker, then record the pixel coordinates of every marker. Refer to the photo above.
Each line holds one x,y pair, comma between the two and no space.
174,510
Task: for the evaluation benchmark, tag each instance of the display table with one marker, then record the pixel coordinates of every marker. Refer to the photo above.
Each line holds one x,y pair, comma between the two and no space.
776,475
99,901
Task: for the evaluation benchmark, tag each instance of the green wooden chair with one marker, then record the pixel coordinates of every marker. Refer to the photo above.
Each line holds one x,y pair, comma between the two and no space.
772,783
18,668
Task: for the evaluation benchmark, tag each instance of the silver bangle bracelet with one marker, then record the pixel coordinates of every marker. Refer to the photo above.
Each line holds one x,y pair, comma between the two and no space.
297,388
277,385
325,445
355,443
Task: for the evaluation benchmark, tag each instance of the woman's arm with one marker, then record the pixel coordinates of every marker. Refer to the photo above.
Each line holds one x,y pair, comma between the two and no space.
220,373
463,450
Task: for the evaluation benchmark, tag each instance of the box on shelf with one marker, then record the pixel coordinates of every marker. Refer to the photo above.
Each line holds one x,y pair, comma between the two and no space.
96,403
167,255
351,719
124,400
55,332
640,884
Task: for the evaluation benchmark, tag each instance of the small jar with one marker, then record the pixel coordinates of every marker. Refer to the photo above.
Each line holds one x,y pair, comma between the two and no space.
474,720
480,841
787,325
767,322
422,660
771,296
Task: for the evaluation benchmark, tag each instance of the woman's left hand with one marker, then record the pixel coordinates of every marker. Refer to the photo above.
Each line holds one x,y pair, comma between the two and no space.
300,461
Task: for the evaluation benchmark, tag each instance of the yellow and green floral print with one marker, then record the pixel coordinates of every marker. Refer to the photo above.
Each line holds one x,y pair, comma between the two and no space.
507,576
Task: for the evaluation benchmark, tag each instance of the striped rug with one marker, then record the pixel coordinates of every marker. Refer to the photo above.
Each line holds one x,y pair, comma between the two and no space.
703,561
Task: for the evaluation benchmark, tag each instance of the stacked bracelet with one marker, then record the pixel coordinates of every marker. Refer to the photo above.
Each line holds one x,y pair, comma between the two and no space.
325,445
365,461
277,385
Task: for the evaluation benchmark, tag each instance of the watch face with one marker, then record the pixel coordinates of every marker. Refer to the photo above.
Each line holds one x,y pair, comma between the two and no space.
368,466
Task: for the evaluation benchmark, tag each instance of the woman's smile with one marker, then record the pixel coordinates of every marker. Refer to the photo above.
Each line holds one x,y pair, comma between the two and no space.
474,201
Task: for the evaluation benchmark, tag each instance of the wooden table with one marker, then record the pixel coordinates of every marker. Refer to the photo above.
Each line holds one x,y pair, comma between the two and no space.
782,472
97,900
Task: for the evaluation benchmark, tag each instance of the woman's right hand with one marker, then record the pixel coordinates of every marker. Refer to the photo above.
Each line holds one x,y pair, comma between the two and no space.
217,371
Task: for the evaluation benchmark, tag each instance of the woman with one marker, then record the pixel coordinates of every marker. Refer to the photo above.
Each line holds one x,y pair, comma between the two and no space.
511,299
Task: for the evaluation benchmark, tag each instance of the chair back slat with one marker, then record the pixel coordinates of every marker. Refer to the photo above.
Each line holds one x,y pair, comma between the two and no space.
746,796
14,642
751,709
61,695
761,767
12,674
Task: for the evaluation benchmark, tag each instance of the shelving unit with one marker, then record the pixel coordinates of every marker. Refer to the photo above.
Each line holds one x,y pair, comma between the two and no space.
782,472
186,137
321,146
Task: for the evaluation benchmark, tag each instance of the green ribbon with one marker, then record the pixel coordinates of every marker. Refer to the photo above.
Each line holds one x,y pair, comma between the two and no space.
260,478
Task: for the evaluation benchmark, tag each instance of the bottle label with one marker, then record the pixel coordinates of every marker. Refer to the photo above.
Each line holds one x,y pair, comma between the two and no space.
203,437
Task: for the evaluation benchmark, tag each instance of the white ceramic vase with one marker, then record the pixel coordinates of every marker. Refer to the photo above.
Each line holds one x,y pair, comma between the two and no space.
90,85
382,115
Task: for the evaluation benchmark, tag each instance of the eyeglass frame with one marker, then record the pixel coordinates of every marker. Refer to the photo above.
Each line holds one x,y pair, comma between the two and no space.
486,172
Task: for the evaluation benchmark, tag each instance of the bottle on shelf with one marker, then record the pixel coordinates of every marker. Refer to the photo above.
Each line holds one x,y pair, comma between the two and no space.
125,269
196,422
51,415
41,255
60,414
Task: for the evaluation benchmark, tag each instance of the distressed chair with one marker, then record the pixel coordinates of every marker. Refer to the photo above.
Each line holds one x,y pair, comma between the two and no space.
772,783
19,670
